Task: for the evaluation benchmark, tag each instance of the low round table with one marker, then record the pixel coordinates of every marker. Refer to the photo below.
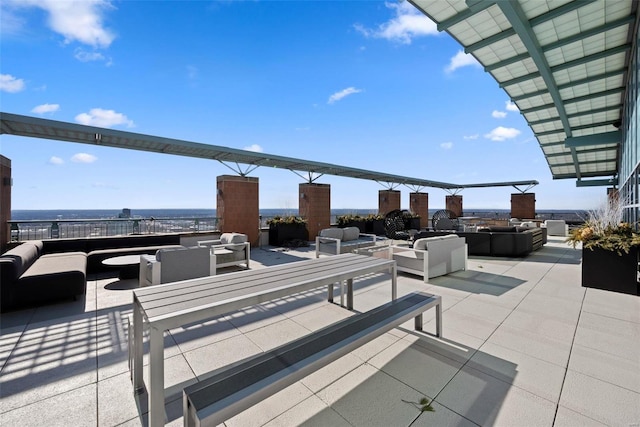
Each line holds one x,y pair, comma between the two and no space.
129,265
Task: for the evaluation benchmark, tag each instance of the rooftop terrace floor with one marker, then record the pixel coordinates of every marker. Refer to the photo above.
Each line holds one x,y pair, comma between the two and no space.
524,345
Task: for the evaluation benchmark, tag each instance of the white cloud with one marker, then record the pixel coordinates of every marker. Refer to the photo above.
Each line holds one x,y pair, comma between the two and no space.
46,108
103,118
408,23
254,147
461,59
10,84
501,133
446,145
85,56
83,158
343,93
498,114
474,136
54,160
511,106
75,20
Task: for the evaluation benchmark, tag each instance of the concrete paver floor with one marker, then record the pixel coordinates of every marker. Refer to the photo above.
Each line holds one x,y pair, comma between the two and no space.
524,345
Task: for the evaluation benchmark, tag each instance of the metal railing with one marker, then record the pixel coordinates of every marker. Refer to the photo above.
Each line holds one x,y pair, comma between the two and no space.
88,228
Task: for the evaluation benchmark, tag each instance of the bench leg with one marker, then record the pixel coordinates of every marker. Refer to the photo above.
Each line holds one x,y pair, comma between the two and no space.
137,350
439,320
418,322
350,294
394,282
156,377
330,293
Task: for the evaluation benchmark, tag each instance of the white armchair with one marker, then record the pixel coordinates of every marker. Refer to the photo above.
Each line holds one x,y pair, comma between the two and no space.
230,249
556,227
172,265
431,256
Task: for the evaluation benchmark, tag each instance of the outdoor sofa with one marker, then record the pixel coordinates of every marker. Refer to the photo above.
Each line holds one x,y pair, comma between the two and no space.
231,249
28,277
100,248
336,241
431,256
498,241
174,264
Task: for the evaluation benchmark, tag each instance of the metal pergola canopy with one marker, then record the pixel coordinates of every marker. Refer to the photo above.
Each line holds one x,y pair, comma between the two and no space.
19,125
564,63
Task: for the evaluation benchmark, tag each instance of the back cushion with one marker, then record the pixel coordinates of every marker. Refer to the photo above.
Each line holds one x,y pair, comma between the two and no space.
498,229
334,233
19,259
234,239
350,233
159,252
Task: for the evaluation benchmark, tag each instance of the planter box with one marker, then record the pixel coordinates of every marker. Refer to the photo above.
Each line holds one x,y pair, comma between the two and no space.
603,269
279,234
413,224
375,227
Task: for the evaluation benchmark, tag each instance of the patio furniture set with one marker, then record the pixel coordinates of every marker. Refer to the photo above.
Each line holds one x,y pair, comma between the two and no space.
187,290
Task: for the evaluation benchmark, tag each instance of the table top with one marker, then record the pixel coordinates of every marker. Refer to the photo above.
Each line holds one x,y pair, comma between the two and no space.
247,287
122,260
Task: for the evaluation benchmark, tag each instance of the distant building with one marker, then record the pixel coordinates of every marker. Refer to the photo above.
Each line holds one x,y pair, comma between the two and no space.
126,213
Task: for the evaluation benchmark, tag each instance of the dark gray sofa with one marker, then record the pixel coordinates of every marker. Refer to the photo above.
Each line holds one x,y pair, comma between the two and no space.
28,277
101,248
498,241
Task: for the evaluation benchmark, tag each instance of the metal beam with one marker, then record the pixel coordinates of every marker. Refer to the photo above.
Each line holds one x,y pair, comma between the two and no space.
597,182
559,11
473,7
591,58
589,33
614,137
490,40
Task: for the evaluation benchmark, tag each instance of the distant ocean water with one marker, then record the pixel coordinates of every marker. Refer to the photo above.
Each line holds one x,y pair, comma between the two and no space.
71,214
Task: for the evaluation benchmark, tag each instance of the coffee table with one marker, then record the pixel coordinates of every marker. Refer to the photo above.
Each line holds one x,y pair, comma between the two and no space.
129,265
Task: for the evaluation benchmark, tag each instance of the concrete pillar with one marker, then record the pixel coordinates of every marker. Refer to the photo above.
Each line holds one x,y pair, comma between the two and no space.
5,202
419,204
453,203
237,206
315,206
388,200
523,205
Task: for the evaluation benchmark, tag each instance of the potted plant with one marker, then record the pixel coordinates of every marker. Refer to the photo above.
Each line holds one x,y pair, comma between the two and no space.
374,223
351,220
412,221
286,228
609,250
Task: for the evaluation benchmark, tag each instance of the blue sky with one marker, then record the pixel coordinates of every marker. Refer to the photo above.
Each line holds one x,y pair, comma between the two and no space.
366,84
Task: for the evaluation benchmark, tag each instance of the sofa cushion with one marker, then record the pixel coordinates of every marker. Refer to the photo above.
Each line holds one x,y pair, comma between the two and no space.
233,240
18,260
334,233
499,229
161,251
350,233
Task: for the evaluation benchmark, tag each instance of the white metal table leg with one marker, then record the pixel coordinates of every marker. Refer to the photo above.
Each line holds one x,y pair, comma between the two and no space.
156,377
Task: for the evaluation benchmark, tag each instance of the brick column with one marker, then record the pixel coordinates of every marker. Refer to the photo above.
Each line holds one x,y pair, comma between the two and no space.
237,206
5,202
419,204
454,204
315,206
388,200
523,205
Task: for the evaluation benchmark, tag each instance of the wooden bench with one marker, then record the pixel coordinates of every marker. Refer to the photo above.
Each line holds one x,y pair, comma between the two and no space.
171,305
230,391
